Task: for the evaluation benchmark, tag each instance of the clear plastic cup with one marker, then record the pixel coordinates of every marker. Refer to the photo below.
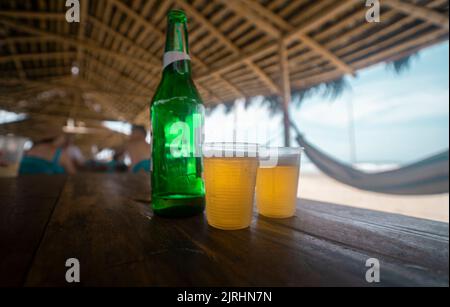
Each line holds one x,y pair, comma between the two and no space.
277,181
11,152
230,177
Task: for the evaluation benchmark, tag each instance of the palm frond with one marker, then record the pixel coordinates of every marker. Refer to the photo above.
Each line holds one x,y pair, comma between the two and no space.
228,107
329,90
401,65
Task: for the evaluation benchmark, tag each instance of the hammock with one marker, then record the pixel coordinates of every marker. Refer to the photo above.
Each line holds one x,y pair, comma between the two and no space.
429,176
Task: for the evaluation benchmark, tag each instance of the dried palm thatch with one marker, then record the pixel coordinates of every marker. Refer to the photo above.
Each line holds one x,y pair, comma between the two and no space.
108,65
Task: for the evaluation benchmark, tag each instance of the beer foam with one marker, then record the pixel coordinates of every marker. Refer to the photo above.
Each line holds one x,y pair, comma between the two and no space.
286,160
223,150
273,156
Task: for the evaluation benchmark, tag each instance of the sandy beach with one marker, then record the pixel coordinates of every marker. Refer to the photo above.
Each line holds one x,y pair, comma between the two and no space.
316,186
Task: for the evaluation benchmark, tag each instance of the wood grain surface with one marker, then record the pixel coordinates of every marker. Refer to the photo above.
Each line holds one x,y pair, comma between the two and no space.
105,221
26,205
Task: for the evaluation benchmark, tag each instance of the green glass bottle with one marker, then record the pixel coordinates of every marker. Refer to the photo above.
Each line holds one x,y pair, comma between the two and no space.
177,118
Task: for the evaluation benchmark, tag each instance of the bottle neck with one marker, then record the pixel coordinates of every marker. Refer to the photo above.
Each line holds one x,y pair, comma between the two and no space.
176,52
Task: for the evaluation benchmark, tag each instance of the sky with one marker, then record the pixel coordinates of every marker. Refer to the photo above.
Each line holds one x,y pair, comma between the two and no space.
397,118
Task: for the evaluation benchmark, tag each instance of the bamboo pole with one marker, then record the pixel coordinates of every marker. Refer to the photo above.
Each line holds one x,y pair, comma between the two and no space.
286,92
431,16
351,131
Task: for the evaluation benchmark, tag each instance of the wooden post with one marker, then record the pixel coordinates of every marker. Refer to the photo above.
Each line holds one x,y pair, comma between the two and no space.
351,130
235,120
285,92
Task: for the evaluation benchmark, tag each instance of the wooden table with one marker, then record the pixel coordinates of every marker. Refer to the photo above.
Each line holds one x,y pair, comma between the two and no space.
105,221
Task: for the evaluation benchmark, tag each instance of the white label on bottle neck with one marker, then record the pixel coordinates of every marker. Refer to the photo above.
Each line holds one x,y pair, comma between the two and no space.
173,56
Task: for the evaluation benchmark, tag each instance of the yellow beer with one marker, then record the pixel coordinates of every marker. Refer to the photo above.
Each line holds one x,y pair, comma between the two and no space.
276,184
276,191
230,185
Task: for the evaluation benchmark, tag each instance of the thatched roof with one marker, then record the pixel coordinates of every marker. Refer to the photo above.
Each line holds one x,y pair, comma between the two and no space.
238,47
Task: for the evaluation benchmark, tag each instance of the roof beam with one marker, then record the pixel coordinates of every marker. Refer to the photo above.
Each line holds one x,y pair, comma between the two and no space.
392,53
137,17
420,12
133,47
264,77
233,88
327,54
26,39
342,42
142,21
338,8
33,15
67,82
238,54
266,13
36,56
326,15
76,43
110,71
208,25
42,82
305,39
152,29
242,9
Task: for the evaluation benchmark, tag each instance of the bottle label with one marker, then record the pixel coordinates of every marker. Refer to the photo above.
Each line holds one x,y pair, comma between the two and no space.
173,56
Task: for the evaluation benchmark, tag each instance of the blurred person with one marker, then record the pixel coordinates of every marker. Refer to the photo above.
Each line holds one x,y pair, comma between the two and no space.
138,150
74,152
47,156
117,163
